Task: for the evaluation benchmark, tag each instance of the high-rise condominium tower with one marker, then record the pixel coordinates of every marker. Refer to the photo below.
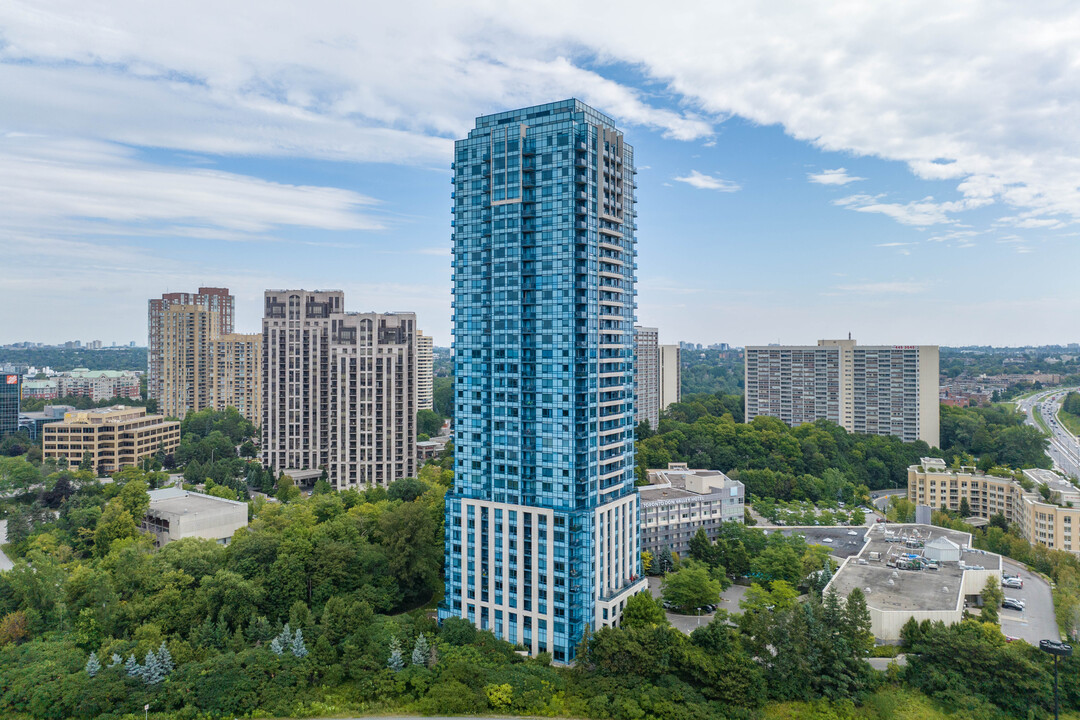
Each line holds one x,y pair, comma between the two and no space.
217,300
200,367
339,389
647,374
541,524
878,390
425,375
670,372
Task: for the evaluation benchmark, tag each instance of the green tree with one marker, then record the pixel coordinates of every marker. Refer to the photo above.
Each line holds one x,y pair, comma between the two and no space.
428,422
642,610
690,587
992,596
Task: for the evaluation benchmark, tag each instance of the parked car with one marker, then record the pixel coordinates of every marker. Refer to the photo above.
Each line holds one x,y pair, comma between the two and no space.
1012,604
827,540
852,532
1014,583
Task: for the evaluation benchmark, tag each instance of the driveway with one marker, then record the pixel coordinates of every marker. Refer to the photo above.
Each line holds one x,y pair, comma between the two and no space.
729,601
1037,621
5,562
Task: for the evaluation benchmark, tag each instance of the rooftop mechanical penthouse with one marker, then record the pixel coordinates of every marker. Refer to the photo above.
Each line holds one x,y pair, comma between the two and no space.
541,524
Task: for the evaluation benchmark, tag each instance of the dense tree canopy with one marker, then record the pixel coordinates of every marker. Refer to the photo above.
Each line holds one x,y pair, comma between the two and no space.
770,458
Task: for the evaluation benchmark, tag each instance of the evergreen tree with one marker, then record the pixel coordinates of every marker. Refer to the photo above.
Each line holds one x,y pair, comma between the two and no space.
296,645
664,561
132,666
395,662
420,650
93,667
857,625
116,660
276,646
165,659
152,673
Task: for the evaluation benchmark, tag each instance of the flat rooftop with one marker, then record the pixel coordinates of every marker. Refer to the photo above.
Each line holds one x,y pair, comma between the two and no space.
889,588
176,501
1055,482
671,484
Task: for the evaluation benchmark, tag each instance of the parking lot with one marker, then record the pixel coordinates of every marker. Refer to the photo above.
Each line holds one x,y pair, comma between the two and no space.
836,538
1037,621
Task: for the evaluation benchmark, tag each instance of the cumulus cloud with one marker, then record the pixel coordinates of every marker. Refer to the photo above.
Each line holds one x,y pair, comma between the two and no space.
838,176
983,95
701,181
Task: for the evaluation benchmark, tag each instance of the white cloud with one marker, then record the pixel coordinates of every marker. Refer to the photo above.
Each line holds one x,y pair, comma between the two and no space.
838,176
708,182
919,213
984,94
69,185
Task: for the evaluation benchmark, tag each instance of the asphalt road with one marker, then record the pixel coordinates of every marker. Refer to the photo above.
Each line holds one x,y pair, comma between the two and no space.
1064,447
1037,621
5,562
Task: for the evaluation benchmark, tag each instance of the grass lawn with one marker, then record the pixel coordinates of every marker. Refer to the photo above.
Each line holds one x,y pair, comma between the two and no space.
1070,421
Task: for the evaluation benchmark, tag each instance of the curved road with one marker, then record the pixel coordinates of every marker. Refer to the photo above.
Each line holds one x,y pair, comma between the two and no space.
1064,447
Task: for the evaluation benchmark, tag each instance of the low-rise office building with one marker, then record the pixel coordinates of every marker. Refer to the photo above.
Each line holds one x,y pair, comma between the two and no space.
1053,522
115,437
915,571
32,422
678,501
175,513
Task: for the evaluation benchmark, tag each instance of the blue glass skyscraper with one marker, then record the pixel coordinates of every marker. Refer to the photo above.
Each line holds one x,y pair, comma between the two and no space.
541,523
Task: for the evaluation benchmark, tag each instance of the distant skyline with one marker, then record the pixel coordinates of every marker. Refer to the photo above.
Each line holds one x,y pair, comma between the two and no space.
805,171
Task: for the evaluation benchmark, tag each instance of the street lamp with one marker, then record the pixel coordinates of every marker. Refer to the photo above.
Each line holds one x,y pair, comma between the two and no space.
1057,649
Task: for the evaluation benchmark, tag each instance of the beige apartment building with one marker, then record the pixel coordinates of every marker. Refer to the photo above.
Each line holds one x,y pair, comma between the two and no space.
646,376
339,389
186,334
657,375
1054,523
236,374
876,390
115,437
201,366
425,372
218,300
670,375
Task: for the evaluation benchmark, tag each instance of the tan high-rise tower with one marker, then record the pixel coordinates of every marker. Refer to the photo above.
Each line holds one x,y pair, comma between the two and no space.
425,375
216,300
339,389
197,362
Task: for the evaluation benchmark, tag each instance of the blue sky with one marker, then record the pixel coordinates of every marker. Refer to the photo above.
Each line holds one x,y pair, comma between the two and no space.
804,172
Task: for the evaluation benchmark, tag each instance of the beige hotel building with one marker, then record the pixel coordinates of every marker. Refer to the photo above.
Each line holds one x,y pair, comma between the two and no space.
1054,523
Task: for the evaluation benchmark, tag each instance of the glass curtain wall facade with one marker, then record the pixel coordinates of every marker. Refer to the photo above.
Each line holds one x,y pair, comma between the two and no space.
541,523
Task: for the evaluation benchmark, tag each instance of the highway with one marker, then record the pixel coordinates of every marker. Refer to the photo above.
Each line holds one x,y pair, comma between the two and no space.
1064,447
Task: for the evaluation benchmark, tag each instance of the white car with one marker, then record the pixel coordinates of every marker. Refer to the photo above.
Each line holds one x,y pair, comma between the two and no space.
852,532
1014,583
827,540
